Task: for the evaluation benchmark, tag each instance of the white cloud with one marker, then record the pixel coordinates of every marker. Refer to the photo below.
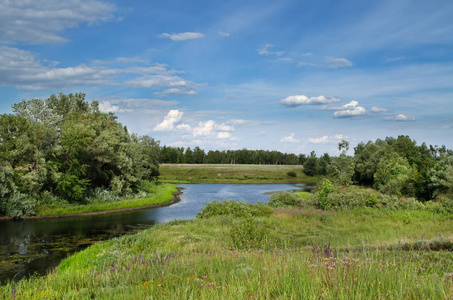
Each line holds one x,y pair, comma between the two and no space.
265,50
176,91
223,135
336,63
210,128
157,81
285,59
307,54
106,106
326,139
400,117
42,21
224,34
23,70
297,100
352,109
173,117
289,139
379,109
181,36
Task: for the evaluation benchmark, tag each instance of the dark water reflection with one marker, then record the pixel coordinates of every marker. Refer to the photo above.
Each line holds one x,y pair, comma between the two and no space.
35,246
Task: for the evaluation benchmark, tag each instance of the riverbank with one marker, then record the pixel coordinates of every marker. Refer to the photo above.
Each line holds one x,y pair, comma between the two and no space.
161,195
225,173
303,254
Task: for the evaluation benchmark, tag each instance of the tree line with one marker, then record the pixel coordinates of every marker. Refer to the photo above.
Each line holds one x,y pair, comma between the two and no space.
65,148
179,155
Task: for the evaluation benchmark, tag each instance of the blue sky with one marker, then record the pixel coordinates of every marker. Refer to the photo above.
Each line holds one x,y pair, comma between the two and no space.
287,75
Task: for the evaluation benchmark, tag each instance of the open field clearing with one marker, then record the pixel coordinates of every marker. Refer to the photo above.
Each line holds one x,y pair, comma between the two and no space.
212,173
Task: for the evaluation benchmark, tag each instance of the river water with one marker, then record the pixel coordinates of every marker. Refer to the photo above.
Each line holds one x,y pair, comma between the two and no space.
35,246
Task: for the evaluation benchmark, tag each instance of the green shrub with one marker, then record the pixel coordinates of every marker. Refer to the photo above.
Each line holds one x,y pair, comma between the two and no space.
323,195
292,174
233,208
283,198
372,200
19,206
446,201
248,233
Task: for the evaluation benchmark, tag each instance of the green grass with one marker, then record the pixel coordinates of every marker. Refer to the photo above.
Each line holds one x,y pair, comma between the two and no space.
207,173
159,194
307,254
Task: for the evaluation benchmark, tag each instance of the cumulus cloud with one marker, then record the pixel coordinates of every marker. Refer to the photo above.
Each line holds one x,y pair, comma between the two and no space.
352,109
42,21
289,139
183,36
265,50
400,118
335,63
172,122
326,139
223,135
107,106
173,117
379,109
297,100
210,128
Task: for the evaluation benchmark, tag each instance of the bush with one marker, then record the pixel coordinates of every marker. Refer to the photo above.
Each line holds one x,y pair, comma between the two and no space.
284,198
323,195
233,208
248,233
18,206
292,174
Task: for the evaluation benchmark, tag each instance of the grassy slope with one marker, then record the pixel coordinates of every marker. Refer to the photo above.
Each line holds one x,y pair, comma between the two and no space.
183,173
159,195
194,260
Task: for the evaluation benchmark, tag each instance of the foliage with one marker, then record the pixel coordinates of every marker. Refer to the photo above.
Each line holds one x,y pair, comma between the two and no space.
233,208
248,233
292,174
284,198
322,195
18,206
65,147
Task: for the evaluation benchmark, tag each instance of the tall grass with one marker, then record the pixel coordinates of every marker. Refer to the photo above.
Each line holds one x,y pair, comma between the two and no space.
304,255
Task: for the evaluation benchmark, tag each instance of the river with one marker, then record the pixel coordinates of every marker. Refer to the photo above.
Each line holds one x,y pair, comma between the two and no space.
35,246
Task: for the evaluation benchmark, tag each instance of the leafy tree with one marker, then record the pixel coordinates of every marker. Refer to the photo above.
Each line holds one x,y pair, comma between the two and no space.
311,165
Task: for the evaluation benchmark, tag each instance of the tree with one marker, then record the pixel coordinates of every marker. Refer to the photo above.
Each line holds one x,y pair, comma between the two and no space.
311,165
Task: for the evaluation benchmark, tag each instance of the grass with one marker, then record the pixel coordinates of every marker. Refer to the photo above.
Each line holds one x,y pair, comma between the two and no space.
159,194
206,173
307,254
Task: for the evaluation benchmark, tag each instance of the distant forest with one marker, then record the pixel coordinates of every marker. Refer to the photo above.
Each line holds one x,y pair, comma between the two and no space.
392,165
65,149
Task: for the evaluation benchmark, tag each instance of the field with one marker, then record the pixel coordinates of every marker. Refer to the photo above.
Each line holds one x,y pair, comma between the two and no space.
205,173
294,254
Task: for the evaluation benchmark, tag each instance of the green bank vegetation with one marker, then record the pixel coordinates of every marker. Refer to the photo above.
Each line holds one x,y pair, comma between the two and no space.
158,195
234,250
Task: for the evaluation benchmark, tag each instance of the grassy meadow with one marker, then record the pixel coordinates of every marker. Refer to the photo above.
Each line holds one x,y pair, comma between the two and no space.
284,253
206,173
